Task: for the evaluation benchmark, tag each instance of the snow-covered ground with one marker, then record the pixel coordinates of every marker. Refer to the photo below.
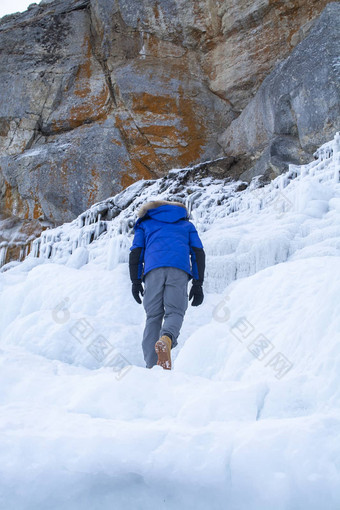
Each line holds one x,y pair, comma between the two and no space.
249,419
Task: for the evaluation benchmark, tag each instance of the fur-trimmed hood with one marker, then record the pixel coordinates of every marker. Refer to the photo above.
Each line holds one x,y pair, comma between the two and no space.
157,203
166,238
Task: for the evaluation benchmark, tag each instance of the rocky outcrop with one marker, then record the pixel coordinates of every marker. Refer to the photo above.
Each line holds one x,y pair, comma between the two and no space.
16,236
297,107
97,94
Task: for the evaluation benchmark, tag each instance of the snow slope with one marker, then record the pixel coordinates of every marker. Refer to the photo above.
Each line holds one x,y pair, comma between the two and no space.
248,419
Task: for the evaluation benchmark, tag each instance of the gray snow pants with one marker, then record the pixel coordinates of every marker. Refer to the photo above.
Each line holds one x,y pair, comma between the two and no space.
165,303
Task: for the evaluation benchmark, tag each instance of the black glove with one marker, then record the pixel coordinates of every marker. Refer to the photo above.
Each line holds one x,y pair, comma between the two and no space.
196,292
137,288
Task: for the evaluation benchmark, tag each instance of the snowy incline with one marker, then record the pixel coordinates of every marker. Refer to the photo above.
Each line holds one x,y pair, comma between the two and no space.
249,419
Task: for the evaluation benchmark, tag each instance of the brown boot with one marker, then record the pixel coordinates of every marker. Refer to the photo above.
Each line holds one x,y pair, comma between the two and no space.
163,350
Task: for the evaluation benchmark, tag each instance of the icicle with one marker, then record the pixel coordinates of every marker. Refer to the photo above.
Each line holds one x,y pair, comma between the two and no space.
336,143
118,252
206,195
113,253
282,182
34,248
3,253
42,248
336,157
142,50
191,199
97,230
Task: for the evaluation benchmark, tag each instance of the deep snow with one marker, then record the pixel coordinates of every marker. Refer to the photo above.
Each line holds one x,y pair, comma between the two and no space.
248,419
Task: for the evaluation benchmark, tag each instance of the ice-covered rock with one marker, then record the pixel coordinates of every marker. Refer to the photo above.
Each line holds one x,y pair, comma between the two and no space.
233,248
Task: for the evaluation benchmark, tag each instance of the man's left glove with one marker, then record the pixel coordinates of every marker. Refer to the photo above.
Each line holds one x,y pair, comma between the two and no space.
196,292
137,290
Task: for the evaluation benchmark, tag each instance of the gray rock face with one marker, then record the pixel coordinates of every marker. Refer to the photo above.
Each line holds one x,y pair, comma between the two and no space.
96,94
296,109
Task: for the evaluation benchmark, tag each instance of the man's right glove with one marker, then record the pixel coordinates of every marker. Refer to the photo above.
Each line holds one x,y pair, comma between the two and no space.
196,292
137,290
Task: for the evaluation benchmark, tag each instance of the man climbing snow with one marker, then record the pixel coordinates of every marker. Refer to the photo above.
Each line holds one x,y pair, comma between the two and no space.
166,253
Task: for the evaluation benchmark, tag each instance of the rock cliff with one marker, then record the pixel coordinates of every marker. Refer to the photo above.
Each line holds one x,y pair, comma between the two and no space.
96,94
296,107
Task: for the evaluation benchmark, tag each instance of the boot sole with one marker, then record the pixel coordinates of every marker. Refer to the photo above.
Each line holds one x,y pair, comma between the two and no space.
164,357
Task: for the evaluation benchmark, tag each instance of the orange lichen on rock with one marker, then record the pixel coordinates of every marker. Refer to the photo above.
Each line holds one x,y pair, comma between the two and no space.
256,35
88,100
94,109
126,179
13,203
156,11
92,192
84,72
172,122
135,170
159,104
139,147
163,136
8,198
194,130
94,105
37,210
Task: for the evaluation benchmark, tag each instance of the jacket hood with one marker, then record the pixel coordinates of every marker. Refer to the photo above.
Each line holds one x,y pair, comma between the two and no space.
162,210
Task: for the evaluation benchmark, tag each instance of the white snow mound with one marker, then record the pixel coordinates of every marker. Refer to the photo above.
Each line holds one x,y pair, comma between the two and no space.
249,419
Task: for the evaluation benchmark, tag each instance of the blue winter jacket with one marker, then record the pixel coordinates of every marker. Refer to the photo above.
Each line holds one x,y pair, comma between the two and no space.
167,239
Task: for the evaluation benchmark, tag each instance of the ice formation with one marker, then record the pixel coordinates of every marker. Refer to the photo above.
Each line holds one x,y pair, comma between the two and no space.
249,417
215,205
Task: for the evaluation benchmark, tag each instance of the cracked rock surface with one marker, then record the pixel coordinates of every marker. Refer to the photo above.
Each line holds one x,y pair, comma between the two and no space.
97,94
